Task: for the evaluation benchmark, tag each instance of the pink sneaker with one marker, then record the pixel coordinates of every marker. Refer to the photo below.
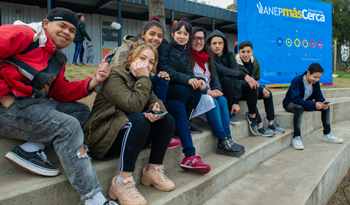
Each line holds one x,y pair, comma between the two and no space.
174,143
195,164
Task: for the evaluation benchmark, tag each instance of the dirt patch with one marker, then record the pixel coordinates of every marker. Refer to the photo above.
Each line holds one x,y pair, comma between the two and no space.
338,196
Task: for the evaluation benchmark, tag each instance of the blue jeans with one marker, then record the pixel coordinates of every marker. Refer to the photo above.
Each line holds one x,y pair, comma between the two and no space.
298,111
219,119
178,110
160,87
42,122
79,49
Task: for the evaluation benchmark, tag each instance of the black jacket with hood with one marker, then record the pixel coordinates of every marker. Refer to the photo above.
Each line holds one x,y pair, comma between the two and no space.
81,34
226,66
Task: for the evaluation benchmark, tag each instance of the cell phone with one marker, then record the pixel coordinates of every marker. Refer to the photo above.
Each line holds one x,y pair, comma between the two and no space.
157,112
326,102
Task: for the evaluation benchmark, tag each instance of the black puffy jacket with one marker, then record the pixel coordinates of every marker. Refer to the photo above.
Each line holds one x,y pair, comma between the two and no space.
227,66
174,59
81,33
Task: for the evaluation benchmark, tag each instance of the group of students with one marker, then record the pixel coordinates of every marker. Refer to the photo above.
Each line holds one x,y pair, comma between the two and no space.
151,89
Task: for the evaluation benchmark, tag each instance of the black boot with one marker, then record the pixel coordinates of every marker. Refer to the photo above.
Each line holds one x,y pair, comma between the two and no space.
194,128
234,144
224,148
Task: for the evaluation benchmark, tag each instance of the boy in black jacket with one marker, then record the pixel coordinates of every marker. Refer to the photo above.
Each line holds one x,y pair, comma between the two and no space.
233,81
304,94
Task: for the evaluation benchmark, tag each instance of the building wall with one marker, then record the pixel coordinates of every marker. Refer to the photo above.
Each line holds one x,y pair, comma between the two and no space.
93,24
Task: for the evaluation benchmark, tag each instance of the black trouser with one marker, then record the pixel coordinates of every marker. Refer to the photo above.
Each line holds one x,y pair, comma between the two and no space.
250,95
138,133
186,95
298,111
268,103
228,88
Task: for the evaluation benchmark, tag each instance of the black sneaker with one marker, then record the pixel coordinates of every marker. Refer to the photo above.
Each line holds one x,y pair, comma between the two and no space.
194,128
224,148
33,162
234,144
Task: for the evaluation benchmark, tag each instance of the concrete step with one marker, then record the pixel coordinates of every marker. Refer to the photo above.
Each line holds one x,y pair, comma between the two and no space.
340,109
193,188
21,187
294,177
238,131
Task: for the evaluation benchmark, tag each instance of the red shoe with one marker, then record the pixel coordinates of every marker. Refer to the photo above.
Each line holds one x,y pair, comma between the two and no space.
195,164
174,143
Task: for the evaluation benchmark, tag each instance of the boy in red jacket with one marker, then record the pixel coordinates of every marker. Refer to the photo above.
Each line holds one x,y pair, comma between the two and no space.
37,102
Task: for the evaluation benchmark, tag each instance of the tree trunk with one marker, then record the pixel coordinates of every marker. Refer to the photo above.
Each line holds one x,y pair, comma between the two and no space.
156,8
339,61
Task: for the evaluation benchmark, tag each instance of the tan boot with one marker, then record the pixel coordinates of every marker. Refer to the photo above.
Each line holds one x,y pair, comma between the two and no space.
157,178
126,192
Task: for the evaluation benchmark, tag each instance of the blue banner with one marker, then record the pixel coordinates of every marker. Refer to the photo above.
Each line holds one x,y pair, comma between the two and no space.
287,36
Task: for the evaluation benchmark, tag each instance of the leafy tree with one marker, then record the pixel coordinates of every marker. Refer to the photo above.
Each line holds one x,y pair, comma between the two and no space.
341,25
233,6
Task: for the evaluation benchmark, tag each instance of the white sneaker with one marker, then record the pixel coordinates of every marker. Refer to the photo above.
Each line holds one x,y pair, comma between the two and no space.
331,138
297,143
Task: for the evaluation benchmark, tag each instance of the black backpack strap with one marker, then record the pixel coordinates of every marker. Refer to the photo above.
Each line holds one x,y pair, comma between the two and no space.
31,47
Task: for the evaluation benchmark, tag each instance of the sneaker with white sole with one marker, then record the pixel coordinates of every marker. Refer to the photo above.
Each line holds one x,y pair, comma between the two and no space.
265,132
276,127
252,123
33,162
297,143
331,138
126,192
234,120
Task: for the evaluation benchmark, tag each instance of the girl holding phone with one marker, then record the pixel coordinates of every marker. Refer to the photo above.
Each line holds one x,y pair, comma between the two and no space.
118,124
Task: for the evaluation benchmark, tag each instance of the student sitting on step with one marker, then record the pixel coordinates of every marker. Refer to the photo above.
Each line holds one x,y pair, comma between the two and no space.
304,94
247,63
126,117
37,102
213,105
236,85
153,32
184,86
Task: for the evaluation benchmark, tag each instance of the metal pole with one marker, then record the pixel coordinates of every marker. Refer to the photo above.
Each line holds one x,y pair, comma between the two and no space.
213,24
48,5
172,18
120,22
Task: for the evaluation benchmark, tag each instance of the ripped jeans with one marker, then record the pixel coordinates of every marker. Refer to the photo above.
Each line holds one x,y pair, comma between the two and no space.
42,122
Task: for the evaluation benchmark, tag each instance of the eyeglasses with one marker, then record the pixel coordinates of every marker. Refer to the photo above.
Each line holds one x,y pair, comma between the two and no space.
196,38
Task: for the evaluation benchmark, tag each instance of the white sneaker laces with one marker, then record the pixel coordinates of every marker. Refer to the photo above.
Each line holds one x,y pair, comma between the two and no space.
43,156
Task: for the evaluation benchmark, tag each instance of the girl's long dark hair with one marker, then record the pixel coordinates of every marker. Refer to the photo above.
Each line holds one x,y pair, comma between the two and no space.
206,48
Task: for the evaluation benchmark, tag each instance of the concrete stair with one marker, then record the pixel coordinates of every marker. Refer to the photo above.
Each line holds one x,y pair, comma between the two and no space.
20,187
294,177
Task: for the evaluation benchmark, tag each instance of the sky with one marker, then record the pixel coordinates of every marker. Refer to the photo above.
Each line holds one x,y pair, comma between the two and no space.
220,3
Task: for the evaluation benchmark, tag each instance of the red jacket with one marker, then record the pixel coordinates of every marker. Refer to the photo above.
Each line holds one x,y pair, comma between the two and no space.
32,68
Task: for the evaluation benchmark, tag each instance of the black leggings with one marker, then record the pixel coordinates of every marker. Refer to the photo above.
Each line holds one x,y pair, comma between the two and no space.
186,95
138,133
268,103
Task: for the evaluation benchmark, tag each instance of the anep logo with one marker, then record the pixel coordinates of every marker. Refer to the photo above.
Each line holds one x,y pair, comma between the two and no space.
306,14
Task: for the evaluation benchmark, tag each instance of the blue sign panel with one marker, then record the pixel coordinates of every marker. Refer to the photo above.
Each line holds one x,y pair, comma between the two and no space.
287,36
